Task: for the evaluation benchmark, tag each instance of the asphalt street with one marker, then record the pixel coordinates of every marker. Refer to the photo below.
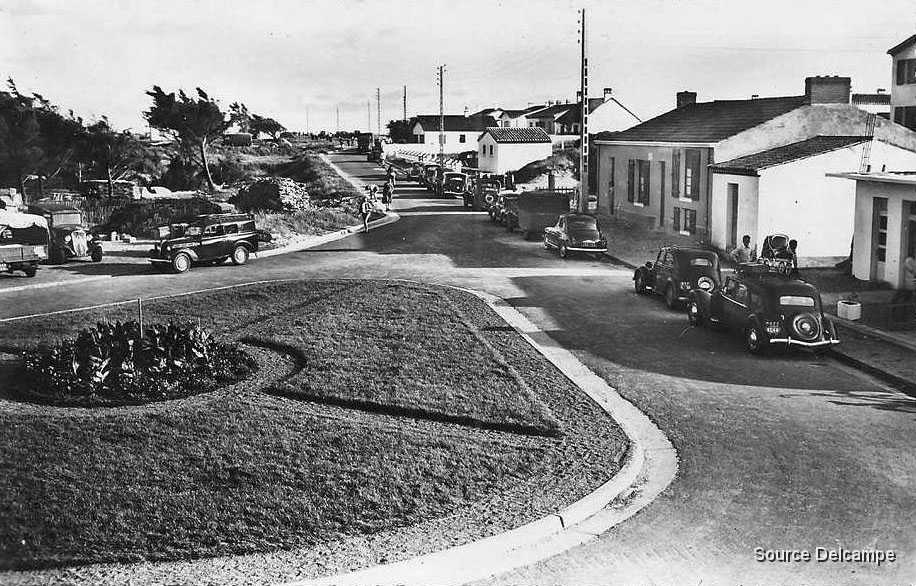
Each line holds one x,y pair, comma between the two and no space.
781,453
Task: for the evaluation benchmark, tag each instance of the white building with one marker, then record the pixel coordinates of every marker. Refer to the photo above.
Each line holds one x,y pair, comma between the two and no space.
500,149
885,220
460,134
903,85
787,190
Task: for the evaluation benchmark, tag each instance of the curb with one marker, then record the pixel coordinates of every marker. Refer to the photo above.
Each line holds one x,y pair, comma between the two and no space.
905,385
873,332
650,466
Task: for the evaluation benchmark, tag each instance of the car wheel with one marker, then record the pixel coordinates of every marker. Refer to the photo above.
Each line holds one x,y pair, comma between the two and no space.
239,255
639,283
563,252
181,263
753,340
97,255
56,256
30,271
693,314
671,297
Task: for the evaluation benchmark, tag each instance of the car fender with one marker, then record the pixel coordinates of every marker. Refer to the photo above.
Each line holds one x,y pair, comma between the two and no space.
189,251
702,299
638,272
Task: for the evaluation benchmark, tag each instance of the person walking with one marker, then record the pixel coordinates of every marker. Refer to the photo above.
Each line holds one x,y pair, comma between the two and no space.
391,175
388,194
365,210
744,253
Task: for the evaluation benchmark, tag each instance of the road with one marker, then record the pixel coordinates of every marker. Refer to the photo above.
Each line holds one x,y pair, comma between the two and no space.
788,453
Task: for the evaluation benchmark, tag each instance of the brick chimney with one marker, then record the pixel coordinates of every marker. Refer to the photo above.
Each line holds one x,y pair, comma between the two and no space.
828,89
686,98
467,113
608,93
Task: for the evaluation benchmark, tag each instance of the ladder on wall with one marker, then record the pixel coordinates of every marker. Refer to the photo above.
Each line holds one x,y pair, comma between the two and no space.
865,163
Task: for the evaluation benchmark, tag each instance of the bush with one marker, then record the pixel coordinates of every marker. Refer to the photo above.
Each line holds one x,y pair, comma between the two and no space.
231,168
273,194
114,364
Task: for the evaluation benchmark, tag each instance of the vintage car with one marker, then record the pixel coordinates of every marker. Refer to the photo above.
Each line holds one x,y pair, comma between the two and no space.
454,184
498,210
70,237
575,233
428,178
677,271
484,195
23,241
212,238
770,309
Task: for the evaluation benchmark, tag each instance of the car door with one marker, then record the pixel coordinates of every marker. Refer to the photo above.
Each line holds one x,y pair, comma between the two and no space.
212,243
662,270
736,305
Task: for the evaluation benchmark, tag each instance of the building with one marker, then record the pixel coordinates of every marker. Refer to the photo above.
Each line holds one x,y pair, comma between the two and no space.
517,118
461,132
502,149
548,119
903,86
787,190
885,225
660,172
877,103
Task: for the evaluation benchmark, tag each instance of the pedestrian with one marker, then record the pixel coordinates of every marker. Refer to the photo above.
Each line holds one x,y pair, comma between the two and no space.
793,250
744,253
365,210
391,175
388,195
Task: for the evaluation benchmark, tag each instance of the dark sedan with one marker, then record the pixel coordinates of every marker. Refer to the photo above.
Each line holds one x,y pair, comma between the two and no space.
676,272
575,233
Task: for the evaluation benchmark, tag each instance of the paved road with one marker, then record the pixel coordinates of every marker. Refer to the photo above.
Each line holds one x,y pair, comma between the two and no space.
782,453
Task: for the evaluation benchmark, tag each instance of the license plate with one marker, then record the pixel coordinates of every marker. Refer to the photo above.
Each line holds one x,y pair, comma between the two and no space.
4,266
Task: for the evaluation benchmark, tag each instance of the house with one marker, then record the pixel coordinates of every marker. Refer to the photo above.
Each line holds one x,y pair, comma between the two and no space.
461,132
787,190
517,118
661,173
501,149
877,103
903,89
885,224
547,118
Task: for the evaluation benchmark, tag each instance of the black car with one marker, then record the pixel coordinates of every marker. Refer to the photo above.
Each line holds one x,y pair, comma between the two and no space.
677,271
70,237
770,309
575,233
209,238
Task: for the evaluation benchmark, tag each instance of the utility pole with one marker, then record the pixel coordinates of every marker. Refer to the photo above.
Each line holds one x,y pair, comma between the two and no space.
583,125
308,129
338,119
368,116
378,105
405,103
442,115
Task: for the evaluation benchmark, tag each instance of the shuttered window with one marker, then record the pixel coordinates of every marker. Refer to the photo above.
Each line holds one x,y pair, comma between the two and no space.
676,174
692,174
644,182
631,181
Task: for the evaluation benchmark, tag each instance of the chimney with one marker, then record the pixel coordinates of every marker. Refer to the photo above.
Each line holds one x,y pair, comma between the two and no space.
608,93
827,89
686,98
467,113
880,90
755,96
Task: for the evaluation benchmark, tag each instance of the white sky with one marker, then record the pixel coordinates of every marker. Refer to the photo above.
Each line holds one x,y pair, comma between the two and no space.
282,57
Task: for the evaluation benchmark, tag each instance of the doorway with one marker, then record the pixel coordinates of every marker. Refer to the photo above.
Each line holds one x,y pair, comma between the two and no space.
732,227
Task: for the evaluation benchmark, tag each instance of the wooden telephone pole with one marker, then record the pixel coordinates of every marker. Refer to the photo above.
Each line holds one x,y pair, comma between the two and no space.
583,125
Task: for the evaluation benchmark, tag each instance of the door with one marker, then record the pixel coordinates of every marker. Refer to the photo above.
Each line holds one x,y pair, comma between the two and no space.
732,227
212,243
663,268
735,305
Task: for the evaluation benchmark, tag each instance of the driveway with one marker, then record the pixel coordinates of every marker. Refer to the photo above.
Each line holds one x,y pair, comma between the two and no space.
791,452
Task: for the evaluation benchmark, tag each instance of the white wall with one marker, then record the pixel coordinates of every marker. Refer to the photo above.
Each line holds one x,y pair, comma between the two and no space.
902,95
484,160
510,156
453,142
863,250
610,117
747,209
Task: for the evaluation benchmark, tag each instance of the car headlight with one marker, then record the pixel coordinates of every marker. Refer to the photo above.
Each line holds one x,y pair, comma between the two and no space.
67,238
706,284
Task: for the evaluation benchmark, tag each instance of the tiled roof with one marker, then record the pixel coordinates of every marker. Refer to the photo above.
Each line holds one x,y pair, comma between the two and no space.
454,123
533,134
897,48
871,99
785,154
707,121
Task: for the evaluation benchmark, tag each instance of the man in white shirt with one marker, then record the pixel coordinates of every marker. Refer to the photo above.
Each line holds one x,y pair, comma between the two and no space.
743,253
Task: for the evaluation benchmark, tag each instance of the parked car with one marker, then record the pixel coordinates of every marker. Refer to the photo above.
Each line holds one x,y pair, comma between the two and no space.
676,272
498,210
770,309
428,178
454,184
575,233
212,238
24,241
70,237
485,194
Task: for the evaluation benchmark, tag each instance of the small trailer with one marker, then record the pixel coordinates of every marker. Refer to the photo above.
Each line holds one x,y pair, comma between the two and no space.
24,240
535,210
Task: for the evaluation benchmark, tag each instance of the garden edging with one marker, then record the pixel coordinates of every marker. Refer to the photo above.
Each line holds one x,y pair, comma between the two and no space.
650,466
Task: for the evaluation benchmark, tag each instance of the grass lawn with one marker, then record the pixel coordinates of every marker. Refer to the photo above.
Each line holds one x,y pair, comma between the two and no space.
379,412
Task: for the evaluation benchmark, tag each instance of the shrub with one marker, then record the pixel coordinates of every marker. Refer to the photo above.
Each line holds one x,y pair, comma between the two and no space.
113,364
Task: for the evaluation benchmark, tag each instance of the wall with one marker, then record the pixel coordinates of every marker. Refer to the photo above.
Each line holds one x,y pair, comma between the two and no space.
484,160
902,95
747,209
652,215
809,121
452,141
863,248
514,156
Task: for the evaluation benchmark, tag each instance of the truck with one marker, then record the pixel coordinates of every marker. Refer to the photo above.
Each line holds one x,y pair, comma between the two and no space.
536,210
364,142
24,240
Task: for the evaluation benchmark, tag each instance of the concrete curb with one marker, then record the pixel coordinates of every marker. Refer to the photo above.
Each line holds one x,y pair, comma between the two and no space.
650,466
873,332
905,385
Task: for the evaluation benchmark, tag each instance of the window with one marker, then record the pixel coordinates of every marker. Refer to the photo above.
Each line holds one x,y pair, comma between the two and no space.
906,71
461,138
421,138
690,222
638,182
643,195
213,230
483,150
231,228
676,174
661,193
880,210
676,219
248,227
906,116
491,150
692,175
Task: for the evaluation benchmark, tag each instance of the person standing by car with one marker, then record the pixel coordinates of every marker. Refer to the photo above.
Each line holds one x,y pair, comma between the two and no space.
744,253
793,250
365,210
391,175
388,194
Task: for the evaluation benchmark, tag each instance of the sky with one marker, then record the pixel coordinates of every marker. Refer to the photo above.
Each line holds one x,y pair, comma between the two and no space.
300,61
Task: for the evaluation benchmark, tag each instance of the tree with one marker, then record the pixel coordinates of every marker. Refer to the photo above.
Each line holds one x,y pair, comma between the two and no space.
262,124
192,122
400,131
116,155
239,116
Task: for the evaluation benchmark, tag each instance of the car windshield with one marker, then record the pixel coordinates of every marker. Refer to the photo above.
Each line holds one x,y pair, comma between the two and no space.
194,230
67,219
582,223
796,301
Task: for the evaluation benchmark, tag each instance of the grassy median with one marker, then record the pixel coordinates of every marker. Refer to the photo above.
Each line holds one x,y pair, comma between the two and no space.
377,405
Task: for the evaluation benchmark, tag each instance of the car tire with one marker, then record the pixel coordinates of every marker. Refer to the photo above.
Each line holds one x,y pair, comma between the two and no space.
97,255
639,283
564,253
694,315
754,341
181,263
239,255
671,297
30,271
56,256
